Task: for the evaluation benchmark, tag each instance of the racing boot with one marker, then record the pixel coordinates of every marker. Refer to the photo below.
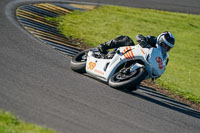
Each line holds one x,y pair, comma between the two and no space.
103,48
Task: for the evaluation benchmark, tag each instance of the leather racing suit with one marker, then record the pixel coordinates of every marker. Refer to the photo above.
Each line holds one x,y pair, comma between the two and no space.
120,41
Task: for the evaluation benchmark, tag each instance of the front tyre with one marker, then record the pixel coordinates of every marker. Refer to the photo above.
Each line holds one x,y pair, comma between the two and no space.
78,62
129,81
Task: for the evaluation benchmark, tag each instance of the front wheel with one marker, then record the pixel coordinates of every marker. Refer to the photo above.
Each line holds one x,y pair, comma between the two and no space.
78,62
129,81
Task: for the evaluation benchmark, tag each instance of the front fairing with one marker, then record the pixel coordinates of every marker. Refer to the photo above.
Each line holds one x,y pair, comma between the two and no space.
156,62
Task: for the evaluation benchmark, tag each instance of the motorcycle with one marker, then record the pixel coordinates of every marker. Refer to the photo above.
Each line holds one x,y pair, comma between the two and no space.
125,68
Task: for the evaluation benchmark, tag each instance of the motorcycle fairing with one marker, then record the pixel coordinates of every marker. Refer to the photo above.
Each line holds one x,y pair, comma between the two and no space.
153,59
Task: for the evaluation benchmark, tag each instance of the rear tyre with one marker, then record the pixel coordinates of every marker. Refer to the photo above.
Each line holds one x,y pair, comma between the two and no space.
129,81
78,62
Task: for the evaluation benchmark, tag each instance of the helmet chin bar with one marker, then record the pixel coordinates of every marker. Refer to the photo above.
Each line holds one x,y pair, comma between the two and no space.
165,46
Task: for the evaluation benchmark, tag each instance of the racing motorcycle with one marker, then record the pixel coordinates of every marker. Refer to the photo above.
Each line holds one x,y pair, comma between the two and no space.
124,68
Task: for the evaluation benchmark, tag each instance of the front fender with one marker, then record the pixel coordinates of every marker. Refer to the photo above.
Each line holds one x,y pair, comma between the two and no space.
135,67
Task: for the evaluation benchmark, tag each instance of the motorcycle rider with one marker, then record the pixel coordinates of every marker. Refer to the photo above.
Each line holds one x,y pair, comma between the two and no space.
165,40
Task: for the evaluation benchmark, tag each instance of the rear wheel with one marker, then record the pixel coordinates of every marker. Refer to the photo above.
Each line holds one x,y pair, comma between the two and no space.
78,62
128,80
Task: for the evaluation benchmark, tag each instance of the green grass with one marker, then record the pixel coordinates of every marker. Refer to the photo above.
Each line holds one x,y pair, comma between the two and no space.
106,22
10,124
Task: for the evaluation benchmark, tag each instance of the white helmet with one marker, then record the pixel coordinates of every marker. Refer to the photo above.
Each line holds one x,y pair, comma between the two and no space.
166,40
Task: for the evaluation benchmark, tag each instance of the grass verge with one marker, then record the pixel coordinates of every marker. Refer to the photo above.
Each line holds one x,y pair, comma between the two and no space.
106,22
10,124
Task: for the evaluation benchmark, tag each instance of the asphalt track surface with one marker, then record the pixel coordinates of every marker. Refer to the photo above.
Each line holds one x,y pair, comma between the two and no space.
37,85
